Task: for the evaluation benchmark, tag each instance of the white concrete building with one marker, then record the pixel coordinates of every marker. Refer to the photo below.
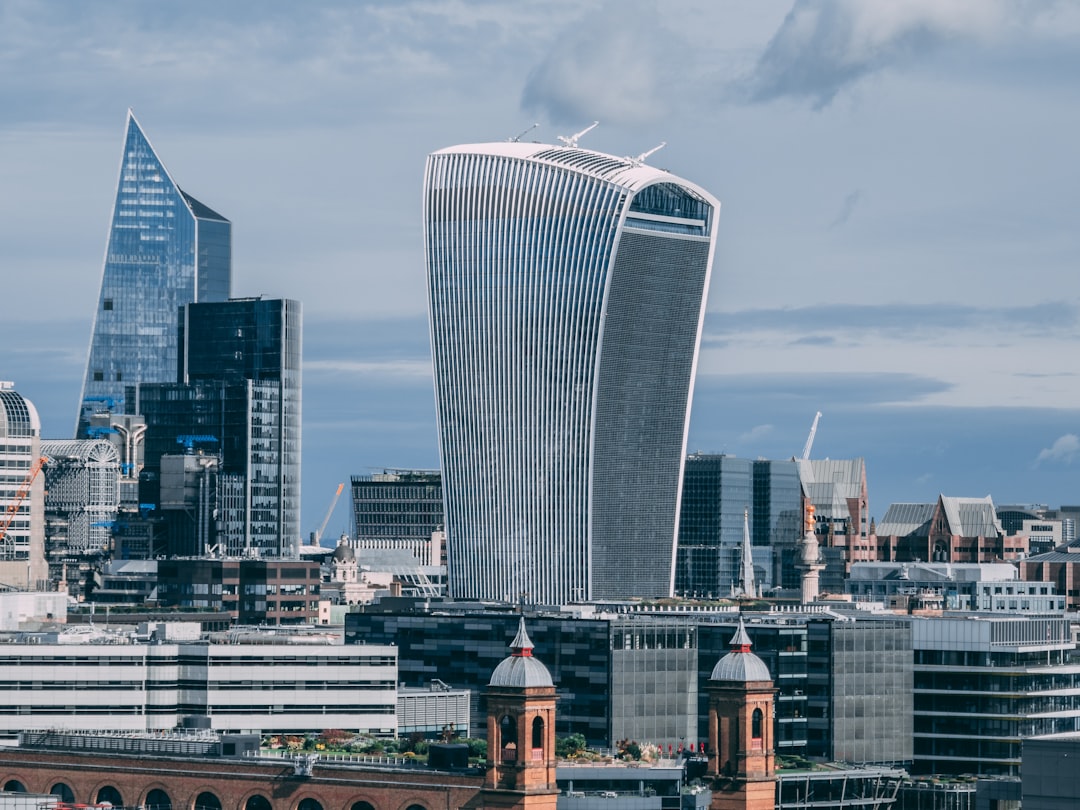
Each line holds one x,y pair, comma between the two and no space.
112,681
22,493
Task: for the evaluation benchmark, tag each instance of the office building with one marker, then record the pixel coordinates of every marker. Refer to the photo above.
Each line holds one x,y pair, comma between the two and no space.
397,506
983,684
1061,568
82,501
22,493
566,295
165,249
643,676
252,591
844,657
718,492
259,683
237,399
982,587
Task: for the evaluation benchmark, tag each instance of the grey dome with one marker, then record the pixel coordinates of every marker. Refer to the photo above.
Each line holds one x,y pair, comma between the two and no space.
742,667
740,664
521,670
344,553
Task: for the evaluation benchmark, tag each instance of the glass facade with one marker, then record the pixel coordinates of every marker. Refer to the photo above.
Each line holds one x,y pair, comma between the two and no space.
401,505
566,293
983,685
239,398
165,249
717,489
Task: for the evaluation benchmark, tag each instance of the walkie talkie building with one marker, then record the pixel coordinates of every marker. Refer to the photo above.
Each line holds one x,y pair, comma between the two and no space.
566,293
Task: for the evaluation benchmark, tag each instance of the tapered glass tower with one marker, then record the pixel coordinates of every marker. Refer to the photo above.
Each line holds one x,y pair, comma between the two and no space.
165,249
566,294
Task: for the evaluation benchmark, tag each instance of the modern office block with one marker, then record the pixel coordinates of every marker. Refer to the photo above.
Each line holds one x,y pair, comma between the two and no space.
566,294
237,397
254,592
397,505
984,684
22,493
859,691
717,491
643,676
257,684
165,249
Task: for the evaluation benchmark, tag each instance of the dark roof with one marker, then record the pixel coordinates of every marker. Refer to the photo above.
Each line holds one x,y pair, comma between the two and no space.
201,210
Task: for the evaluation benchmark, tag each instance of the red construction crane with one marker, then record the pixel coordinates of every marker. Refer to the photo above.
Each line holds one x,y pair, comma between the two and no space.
20,496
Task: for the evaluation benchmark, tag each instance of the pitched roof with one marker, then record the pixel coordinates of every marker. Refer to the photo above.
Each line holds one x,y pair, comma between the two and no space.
903,519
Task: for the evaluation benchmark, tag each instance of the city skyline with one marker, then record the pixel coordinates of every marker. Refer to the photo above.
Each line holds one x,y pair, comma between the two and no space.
895,249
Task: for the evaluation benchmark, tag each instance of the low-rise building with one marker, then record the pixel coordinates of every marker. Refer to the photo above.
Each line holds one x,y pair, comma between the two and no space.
87,678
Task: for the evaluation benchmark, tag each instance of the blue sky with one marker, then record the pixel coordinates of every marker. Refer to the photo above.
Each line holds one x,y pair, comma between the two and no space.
898,243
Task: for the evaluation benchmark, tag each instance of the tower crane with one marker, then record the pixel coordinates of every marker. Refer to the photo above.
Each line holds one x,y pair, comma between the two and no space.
316,536
810,438
20,495
571,140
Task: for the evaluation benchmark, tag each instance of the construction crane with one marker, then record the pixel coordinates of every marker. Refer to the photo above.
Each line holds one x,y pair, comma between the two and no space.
20,495
810,438
571,140
316,536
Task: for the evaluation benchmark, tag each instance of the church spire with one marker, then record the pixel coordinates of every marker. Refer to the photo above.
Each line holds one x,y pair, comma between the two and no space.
747,585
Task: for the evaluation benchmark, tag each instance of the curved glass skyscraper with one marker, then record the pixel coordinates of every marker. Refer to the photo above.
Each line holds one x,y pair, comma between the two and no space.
165,249
566,293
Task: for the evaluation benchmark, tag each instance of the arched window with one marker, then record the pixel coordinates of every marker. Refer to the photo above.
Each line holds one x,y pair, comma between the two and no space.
362,806
66,794
537,735
207,801
109,795
258,802
416,807
14,786
755,724
508,735
309,804
157,799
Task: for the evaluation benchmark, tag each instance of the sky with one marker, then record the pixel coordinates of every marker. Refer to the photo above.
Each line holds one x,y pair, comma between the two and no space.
898,242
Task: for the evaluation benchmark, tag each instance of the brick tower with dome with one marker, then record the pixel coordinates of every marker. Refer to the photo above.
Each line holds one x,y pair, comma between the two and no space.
521,731
742,766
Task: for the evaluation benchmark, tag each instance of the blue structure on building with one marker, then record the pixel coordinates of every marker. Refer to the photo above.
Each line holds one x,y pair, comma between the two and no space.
165,249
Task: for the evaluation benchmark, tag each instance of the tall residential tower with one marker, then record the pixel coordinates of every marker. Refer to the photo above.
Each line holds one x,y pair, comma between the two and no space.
165,249
566,293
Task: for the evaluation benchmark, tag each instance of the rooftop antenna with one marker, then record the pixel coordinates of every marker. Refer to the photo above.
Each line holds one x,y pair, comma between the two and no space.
573,139
640,159
518,137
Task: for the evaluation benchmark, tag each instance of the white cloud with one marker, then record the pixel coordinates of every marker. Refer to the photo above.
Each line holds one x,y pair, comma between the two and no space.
608,66
756,432
1064,449
826,45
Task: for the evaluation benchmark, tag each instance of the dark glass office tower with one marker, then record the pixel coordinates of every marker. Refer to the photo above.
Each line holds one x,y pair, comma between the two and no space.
717,489
238,395
165,249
